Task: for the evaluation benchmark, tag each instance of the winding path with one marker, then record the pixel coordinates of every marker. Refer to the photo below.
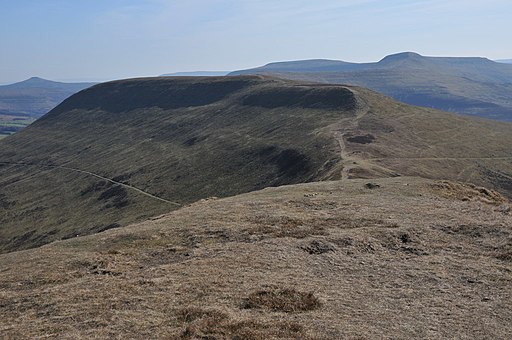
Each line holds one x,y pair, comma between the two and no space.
140,191
347,160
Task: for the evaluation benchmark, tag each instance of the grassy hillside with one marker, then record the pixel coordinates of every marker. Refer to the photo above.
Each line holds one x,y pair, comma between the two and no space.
427,143
407,259
177,139
472,86
123,151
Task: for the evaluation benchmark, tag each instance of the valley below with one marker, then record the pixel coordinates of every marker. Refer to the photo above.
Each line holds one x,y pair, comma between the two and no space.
12,123
23,102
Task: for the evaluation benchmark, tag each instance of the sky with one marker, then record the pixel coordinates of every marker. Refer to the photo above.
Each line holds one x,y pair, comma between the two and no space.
97,40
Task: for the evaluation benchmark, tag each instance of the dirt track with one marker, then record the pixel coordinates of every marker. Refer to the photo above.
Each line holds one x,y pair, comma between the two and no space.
98,176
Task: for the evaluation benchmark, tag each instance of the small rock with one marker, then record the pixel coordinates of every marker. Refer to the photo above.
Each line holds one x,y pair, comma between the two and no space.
371,186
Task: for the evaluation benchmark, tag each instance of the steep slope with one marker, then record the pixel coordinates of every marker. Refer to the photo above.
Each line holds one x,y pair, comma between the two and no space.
408,259
123,151
474,86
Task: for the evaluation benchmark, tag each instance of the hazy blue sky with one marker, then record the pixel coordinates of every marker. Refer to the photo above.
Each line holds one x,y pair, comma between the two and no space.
108,39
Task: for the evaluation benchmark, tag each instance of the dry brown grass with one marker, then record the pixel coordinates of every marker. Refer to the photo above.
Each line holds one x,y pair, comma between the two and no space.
191,314
285,226
282,300
468,192
505,256
212,324
402,261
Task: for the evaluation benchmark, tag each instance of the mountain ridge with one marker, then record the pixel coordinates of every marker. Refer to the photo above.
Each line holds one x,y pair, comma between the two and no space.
42,82
468,85
170,140
340,65
23,102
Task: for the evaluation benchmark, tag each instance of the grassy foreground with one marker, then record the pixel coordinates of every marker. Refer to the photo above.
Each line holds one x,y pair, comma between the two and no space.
393,258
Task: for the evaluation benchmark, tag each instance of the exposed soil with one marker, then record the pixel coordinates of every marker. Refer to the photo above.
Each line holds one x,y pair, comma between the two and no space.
364,139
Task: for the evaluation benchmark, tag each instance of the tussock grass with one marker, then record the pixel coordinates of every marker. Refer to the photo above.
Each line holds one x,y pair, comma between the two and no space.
213,328
469,192
282,300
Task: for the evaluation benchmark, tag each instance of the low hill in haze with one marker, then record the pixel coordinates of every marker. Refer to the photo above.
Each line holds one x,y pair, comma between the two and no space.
21,103
197,74
127,150
506,61
35,96
472,86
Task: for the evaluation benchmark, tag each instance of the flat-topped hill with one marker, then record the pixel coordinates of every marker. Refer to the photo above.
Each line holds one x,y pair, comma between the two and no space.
124,151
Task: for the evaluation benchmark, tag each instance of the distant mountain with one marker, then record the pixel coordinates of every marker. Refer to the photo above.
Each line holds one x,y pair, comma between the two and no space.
35,96
197,74
505,61
472,86
22,103
124,151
